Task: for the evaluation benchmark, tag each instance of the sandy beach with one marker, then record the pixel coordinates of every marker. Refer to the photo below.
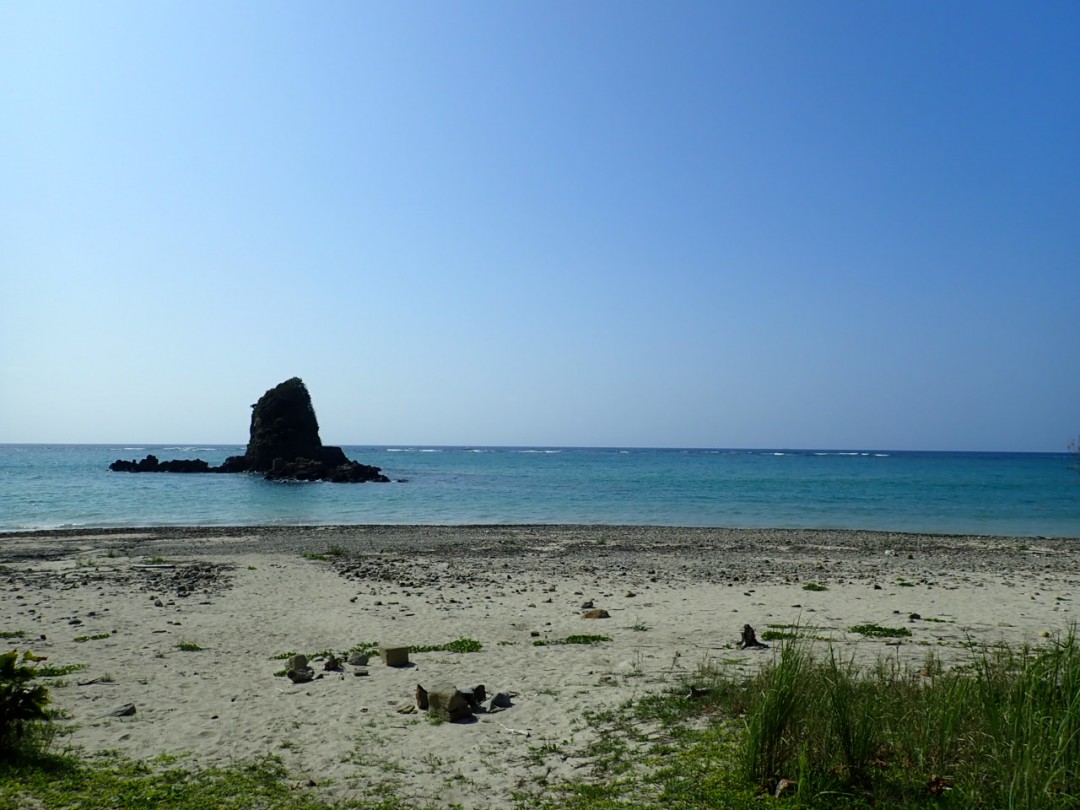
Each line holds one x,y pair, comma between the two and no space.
126,603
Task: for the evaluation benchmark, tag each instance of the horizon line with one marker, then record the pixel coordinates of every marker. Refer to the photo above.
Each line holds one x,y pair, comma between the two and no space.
408,445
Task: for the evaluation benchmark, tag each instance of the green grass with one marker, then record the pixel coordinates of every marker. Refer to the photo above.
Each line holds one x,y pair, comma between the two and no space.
460,645
369,648
188,646
877,631
779,635
1001,732
95,637
110,783
815,586
578,639
791,632
7,634
57,670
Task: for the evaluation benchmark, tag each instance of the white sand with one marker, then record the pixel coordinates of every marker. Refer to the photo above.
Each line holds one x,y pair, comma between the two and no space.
693,590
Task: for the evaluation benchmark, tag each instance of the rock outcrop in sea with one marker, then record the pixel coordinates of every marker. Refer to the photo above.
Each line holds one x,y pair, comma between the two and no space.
284,445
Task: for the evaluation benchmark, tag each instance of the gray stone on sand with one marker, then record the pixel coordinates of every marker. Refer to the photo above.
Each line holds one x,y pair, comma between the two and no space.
298,662
448,702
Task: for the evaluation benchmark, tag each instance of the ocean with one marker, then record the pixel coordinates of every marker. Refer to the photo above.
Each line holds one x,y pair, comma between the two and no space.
1016,494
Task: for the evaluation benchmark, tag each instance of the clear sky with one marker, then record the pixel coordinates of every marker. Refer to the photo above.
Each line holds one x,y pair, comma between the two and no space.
719,224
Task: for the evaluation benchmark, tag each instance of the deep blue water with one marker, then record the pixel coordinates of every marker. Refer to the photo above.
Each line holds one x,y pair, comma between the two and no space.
51,486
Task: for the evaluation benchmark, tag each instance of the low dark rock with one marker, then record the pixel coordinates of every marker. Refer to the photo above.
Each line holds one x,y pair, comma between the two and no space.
333,664
749,640
476,696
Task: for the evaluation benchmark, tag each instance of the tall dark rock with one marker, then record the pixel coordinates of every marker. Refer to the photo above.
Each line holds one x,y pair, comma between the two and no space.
283,425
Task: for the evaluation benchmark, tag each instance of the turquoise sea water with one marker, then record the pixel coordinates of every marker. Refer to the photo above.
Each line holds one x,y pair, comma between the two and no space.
52,486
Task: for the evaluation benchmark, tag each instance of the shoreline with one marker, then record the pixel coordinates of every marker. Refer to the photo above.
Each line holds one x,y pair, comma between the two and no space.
857,552
126,602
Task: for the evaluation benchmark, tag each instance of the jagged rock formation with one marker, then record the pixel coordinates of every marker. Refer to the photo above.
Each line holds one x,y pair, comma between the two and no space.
284,445
283,425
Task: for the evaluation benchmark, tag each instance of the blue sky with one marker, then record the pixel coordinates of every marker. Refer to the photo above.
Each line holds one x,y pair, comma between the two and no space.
752,224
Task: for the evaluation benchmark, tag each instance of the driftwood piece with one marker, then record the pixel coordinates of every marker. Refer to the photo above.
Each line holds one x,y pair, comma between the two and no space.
749,640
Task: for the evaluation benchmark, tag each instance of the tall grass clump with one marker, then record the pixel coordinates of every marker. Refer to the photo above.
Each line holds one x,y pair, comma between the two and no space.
22,704
777,699
1030,704
1000,732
